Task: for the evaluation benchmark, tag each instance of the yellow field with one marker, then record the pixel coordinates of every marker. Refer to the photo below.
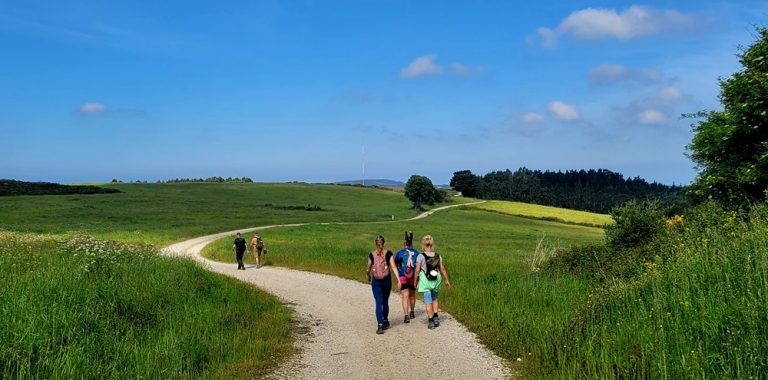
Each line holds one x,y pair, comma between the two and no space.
546,212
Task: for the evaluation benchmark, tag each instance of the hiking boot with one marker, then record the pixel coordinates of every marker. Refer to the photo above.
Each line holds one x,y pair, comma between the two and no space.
380,330
431,324
385,325
406,319
412,315
437,320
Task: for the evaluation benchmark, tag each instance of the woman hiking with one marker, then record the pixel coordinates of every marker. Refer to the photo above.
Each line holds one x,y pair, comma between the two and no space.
405,259
380,263
431,270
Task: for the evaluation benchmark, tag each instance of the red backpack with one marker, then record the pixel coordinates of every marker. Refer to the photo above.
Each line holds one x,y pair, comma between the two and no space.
380,267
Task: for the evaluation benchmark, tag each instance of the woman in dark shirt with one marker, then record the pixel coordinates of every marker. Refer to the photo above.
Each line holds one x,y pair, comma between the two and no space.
380,263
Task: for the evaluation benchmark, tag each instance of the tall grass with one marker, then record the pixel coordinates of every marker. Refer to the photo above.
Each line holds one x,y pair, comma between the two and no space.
701,314
90,309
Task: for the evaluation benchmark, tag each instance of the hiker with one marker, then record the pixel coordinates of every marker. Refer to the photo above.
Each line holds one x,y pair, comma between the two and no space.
257,247
380,262
431,270
405,259
240,248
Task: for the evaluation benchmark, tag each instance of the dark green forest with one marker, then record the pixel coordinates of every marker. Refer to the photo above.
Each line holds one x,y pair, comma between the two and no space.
590,190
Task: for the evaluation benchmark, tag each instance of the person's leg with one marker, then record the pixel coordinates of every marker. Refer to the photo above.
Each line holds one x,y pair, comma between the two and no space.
387,290
413,301
435,308
406,294
428,307
378,294
240,260
258,258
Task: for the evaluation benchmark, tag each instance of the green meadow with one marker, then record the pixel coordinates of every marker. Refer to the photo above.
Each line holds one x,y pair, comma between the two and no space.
556,214
164,213
74,305
84,308
93,306
488,256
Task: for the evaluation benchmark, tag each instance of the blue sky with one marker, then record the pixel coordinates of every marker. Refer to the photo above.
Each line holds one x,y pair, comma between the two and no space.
311,90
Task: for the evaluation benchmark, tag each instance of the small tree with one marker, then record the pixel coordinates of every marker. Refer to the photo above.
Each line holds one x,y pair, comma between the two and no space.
466,183
730,147
420,190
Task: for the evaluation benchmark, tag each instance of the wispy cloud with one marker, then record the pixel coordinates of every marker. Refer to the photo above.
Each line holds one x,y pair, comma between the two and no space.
531,117
460,69
654,108
563,111
613,73
426,65
601,23
92,108
422,66
651,116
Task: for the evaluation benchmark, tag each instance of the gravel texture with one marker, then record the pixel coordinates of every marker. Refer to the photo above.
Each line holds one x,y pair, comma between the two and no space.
336,328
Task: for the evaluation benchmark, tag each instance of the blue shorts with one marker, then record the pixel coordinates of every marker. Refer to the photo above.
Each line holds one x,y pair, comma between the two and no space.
430,296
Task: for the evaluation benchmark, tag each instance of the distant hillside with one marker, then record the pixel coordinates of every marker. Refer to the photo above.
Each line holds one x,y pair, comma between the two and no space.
373,182
9,187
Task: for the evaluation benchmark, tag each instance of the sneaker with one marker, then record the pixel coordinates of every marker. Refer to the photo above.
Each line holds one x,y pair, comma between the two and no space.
385,325
431,324
406,319
412,315
380,330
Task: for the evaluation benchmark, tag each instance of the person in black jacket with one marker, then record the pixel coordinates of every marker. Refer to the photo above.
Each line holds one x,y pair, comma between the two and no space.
240,247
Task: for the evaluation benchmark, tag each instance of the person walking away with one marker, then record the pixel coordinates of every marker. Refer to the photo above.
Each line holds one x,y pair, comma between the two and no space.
405,259
257,247
431,274
240,247
380,262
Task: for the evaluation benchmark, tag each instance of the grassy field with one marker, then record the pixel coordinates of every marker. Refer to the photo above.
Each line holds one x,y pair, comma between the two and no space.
547,213
83,308
165,213
514,311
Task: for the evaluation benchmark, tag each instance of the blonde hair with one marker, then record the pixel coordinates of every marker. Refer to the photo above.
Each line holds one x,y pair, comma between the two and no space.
427,241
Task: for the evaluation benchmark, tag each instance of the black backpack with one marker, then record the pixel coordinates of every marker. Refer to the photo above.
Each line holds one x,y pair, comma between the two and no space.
433,266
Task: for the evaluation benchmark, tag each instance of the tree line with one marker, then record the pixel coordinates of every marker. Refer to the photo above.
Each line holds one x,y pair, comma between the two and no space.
590,190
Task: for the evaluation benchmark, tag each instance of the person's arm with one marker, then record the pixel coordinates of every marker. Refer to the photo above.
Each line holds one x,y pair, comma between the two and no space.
416,275
445,274
394,271
368,269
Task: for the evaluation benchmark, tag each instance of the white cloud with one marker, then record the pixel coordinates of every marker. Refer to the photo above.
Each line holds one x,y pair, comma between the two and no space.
669,94
459,69
421,66
427,65
613,73
531,117
651,116
563,111
92,108
600,23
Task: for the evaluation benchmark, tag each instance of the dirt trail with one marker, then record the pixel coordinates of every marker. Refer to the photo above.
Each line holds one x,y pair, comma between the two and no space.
339,319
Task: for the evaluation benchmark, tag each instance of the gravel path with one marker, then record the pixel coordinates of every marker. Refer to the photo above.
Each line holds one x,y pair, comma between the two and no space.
337,338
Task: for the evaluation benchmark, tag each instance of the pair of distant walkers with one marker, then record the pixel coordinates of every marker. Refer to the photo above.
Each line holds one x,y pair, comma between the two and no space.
415,272
240,247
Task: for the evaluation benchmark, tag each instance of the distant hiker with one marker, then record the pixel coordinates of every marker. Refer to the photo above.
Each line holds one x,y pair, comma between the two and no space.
405,259
380,262
257,247
240,247
431,270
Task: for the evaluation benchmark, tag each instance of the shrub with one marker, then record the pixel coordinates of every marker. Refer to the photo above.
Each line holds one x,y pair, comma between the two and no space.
637,224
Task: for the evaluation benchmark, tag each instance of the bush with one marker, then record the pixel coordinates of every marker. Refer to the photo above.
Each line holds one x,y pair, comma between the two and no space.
637,224
599,262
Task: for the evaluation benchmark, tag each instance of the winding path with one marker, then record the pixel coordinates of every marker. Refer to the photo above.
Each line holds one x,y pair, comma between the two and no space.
338,340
